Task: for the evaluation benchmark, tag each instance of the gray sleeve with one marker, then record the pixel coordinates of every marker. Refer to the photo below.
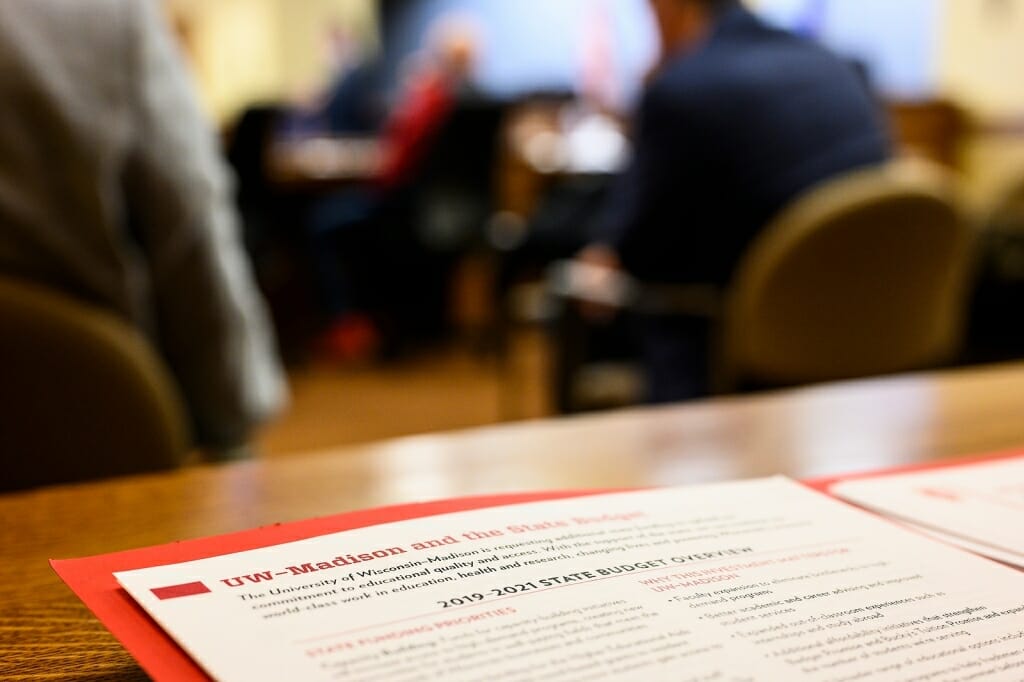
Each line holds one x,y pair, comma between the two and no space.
211,321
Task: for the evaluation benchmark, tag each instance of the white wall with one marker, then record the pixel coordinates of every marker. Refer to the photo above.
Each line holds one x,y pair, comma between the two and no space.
982,69
245,51
981,64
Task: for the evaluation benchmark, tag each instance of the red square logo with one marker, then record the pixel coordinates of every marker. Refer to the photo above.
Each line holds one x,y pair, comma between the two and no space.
176,591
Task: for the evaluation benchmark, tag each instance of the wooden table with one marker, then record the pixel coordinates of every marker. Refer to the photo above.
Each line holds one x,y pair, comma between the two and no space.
45,633
319,164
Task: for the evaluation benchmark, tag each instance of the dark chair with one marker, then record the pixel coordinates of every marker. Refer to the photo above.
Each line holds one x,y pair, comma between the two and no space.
83,394
437,218
453,192
269,216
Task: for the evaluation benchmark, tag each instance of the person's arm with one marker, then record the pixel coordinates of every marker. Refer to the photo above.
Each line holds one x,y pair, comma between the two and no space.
211,322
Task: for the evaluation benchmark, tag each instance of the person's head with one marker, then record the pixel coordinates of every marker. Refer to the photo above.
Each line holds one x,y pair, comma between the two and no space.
340,45
684,23
455,45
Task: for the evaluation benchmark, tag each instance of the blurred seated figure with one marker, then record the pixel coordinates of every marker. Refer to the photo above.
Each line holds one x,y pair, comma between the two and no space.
736,120
112,191
352,101
435,81
344,227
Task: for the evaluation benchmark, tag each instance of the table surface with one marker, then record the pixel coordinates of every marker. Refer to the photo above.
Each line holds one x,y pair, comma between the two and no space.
323,163
45,633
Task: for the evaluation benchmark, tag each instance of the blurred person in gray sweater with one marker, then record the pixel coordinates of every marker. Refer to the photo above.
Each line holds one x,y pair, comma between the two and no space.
113,191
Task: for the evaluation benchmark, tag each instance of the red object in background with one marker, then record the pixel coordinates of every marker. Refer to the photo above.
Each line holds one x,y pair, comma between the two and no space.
414,122
353,338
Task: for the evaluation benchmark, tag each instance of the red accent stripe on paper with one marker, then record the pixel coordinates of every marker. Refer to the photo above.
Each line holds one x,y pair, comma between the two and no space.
175,591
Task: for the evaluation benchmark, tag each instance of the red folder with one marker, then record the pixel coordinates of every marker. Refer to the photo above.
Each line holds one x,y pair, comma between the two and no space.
93,581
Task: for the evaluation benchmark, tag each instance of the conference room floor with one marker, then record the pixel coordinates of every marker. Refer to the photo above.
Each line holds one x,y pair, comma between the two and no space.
438,390
441,390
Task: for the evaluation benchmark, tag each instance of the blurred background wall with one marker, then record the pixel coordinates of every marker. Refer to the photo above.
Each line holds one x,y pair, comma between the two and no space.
248,51
981,65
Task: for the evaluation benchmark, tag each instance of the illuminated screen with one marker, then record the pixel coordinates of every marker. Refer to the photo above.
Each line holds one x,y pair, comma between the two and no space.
532,46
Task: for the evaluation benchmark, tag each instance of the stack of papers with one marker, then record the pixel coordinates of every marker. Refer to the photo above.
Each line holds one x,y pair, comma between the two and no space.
978,507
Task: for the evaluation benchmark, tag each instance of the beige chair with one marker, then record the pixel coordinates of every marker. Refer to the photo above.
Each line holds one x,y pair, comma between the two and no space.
863,275
82,394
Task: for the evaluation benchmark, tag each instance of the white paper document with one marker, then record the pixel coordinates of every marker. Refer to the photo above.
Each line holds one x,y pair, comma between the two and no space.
977,506
754,580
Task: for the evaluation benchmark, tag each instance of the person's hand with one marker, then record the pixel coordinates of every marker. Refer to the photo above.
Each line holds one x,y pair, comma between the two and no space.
600,255
599,275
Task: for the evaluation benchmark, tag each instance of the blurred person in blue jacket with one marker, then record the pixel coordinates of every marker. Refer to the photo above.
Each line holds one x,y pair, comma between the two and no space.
112,190
737,119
